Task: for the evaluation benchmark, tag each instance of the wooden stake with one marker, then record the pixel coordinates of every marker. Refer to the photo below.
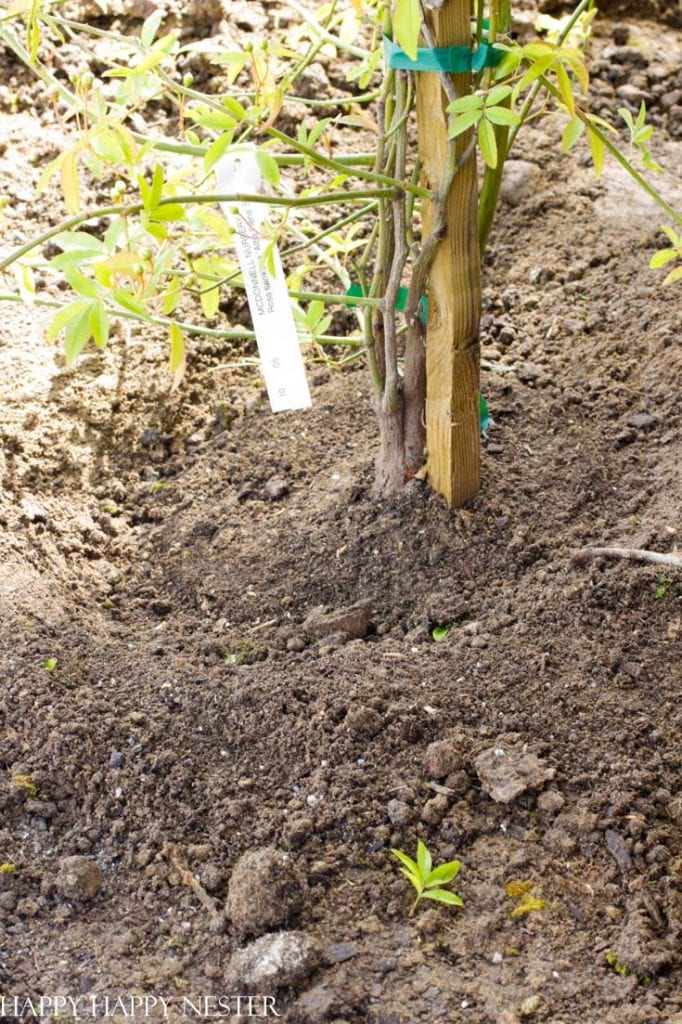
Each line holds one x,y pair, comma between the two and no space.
452,347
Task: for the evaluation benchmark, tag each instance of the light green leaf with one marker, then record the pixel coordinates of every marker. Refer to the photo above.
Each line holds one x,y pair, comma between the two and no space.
465,103
488,143
443,896
572,133
407,25
496,95
423,860
598,152
81,284
662,258
178,356
407,861
150,28
76,336
268,166
64,317
443,874
412,879
463,122
440,632
673,276
99,324
502,115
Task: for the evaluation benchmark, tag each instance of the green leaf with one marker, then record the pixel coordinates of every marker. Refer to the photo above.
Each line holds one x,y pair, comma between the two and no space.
488,143
81,284
496,95
414,880
50,664
64,317
150,28
463,122
168,212
79,241
443,874
407,25
423,860
465,103
99,324
502,115
440,632
565,88
662,258
443,896
572,133
129,302
673,276
217,149
76,336
598,152
268,166
407,861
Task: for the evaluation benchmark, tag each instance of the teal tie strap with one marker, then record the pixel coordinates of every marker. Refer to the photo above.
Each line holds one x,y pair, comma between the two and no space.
454,60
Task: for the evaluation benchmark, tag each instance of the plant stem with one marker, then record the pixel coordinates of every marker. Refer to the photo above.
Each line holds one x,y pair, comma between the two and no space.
123,210
195,329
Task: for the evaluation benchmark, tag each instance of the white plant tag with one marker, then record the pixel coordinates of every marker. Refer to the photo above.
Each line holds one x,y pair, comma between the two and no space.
269,302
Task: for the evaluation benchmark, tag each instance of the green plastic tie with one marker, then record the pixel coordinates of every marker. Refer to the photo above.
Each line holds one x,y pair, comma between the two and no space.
400,303
455,60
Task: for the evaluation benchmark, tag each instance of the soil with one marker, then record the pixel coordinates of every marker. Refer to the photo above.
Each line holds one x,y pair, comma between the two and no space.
245,662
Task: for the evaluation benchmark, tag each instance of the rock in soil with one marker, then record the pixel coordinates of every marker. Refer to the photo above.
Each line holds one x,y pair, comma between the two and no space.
280,960
266,891
354,621
507,772
78,878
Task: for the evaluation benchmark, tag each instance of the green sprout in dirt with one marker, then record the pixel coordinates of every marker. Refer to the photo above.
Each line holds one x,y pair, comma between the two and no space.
426,879
526,903
673,252
50,664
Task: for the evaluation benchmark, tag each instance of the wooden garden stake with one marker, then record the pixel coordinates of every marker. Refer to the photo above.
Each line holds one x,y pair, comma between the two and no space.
452,346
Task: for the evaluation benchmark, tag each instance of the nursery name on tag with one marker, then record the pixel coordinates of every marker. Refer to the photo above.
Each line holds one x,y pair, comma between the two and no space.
269,303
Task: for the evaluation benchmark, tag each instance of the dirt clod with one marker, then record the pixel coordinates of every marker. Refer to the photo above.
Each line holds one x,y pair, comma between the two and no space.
281,960
265,891
78,878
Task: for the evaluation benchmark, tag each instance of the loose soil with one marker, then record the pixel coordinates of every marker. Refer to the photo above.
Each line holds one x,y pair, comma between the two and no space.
168,550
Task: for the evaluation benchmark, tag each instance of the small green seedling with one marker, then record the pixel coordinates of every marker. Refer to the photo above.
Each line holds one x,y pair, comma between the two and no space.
428,881
50,664
440,631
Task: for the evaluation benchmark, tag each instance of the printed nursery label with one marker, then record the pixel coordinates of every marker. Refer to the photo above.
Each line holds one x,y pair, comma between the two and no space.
269,303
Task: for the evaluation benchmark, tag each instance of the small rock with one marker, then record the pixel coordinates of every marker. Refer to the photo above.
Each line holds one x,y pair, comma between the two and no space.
551,802
618,849
642,421
521,179
399,813
441,758
115,759
266,891
631,94
506,773
276,487
78,878
33,510
354,621
279,960
339,952
434,810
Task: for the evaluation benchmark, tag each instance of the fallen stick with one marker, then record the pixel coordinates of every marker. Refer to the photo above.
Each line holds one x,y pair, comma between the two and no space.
633,554
188,879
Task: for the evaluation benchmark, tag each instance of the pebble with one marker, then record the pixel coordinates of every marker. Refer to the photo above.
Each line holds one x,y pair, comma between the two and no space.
266,891
78,878
506,773
276,487
279,960
399,813
641,421
551,802
434,810
354,621
521,179
115,759
441,758
339,952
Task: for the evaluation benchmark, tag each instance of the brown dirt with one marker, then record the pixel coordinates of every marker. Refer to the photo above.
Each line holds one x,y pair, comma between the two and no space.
193,716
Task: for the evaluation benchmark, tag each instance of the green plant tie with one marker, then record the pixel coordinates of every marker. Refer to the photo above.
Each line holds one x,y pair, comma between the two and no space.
455,60
400,302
